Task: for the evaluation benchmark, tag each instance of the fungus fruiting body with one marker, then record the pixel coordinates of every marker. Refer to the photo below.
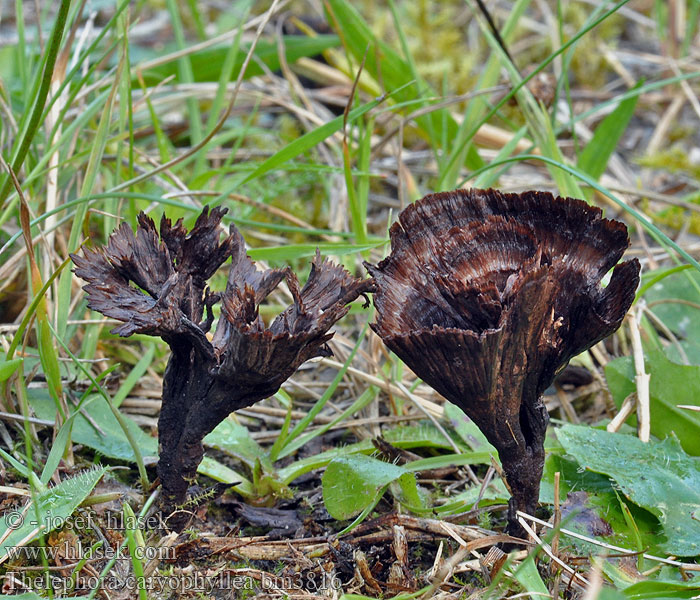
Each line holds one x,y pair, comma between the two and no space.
486,296
156,284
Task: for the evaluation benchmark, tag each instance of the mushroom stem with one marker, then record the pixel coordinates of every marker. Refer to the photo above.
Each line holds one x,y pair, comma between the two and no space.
186,385
194,403
523,467
523,478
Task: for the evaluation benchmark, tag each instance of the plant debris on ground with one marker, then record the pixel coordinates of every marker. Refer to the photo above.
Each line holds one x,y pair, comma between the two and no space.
314,123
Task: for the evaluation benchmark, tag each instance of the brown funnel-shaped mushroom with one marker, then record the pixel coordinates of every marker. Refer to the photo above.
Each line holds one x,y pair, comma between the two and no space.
156,285
486,296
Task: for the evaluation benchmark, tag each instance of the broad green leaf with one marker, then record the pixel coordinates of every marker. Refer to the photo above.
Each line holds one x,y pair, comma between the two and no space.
54,507
651,278
422,435
649,589
529,577
676,301
601,502
351,483
206,64
219,472
684,353
8,367
109,439
608,593
234,439
410,493
467,429
670,384
658,476
595,156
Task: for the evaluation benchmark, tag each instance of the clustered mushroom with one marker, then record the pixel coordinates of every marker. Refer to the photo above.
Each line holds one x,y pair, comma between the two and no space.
485,296
157,285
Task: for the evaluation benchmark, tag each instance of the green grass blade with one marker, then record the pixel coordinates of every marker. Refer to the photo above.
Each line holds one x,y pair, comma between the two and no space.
284,432
29,131
87,53
207,63
488,179
138,457
357,195
8,367
461,144
125,124
301,426
691,27
21,44
537,120
227,67
595,156
58,447
16,465
135,374
524,81
186,76
118,552
31,310
361,402
294,251
135,543
94,162
308,141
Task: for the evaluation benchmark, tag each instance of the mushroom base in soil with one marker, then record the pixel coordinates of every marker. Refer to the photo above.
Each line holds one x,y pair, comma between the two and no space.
486,296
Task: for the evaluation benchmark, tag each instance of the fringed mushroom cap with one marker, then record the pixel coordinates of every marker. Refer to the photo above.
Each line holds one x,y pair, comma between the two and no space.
255,355
157,285
168,273
487,295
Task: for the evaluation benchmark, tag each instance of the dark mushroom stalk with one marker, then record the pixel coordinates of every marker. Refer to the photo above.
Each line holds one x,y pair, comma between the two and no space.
486,297
157,285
